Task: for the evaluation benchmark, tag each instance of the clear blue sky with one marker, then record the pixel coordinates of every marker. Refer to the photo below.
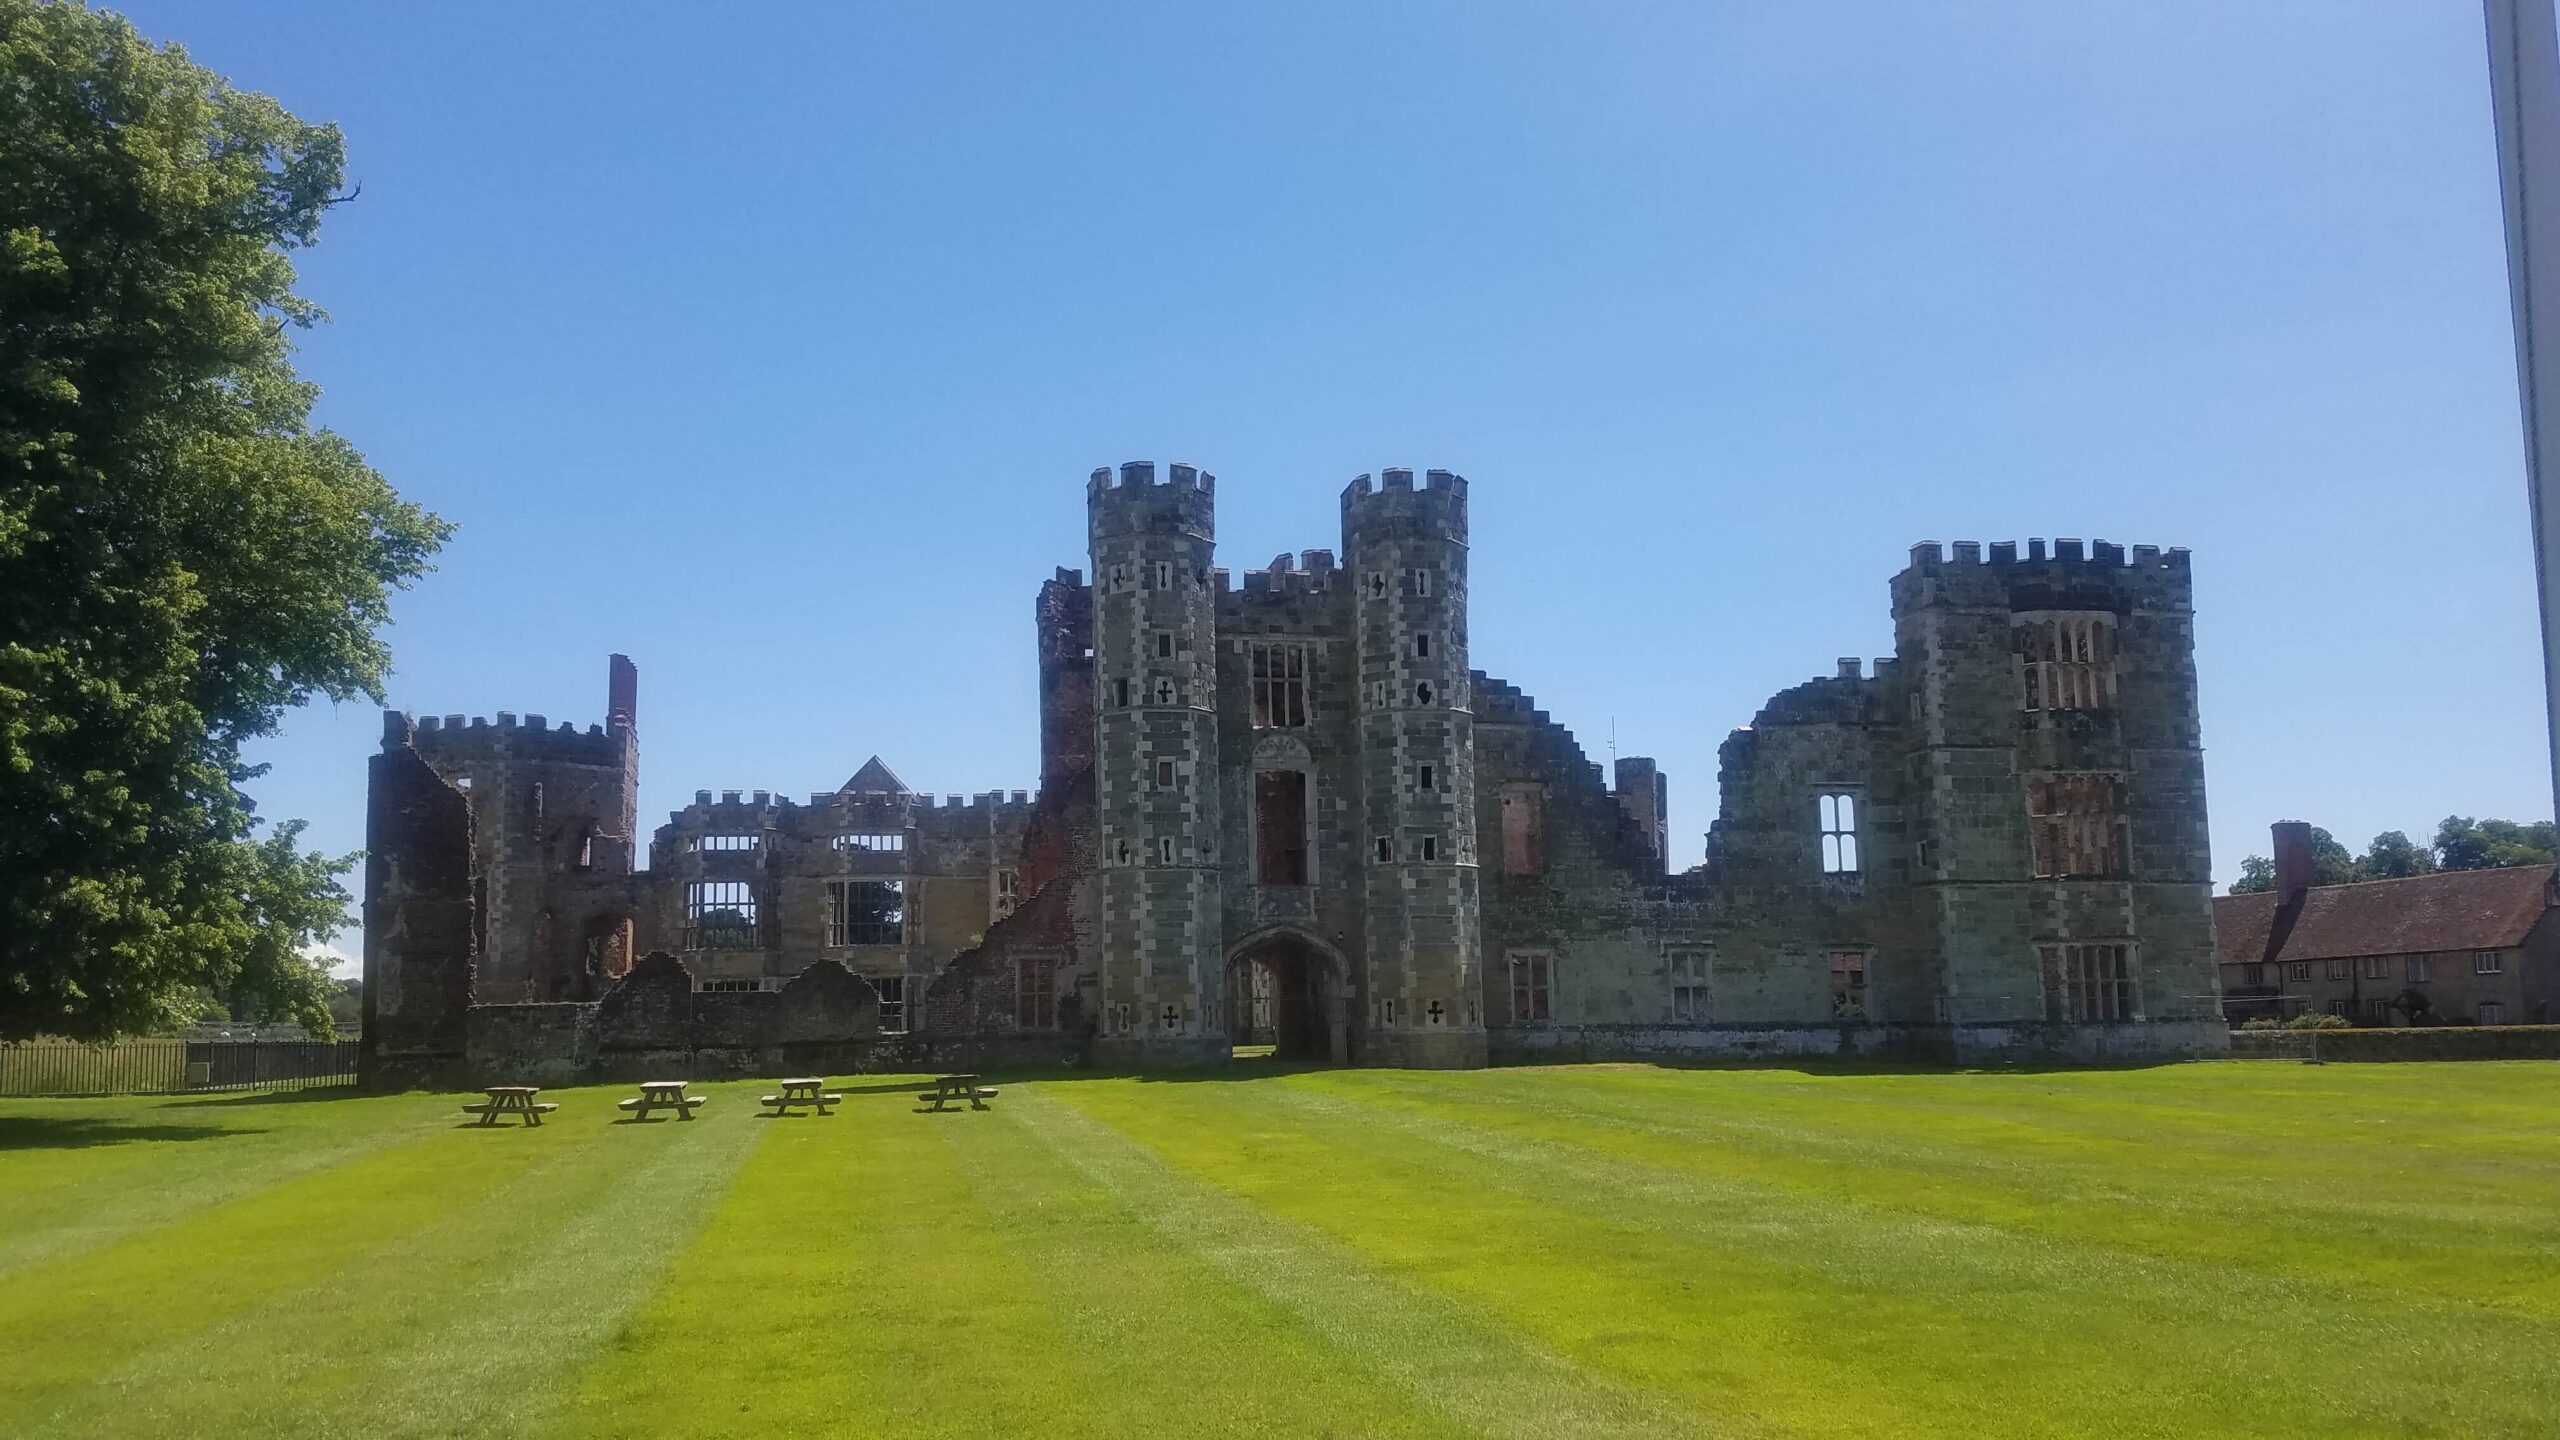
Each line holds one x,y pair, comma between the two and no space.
771,345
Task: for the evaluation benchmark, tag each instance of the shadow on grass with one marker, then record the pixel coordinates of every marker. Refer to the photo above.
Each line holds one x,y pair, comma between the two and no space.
314,1096
74,1132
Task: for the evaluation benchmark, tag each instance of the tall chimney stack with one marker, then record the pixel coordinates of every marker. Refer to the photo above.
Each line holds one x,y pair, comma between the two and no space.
2293,861
622,694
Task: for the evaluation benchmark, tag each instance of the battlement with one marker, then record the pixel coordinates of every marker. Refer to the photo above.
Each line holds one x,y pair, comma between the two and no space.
734,807
1132,500
457,737
2067,575
1393,503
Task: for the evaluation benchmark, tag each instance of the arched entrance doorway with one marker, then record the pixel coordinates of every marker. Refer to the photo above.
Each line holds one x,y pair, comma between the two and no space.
1284,990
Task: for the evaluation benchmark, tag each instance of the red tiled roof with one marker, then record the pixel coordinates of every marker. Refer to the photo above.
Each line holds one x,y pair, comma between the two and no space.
2449,910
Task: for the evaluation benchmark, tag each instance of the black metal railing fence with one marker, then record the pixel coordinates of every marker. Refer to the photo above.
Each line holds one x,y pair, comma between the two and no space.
173,1067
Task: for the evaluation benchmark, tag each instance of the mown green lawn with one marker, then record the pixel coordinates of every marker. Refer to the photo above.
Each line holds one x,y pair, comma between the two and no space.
2268,1249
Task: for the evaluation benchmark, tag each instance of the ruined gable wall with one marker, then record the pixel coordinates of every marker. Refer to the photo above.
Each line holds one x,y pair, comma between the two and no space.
419,925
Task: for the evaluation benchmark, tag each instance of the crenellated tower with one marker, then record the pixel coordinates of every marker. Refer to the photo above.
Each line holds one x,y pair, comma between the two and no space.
1161,946
1406,551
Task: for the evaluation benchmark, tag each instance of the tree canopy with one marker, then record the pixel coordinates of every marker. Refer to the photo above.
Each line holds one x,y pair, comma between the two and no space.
2460,844
183,555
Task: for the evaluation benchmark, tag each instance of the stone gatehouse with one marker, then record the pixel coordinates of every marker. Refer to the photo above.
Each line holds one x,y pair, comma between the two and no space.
1286,811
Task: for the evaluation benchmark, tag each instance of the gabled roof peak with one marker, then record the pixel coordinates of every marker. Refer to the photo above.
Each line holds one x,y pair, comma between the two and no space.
874,776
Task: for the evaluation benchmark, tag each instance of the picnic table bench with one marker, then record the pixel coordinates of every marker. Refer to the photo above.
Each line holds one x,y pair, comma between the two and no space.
662,1095
805,1090
947,1088
512,1100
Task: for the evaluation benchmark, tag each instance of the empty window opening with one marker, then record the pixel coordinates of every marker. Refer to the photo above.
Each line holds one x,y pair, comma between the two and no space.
1429,847
1008,892
1532,972
1687,965
1164,644
726,842
730,986
1425,778
866,912
1838,816
1422,692
720,915
1524,828
2067,662
1848,984
892,990
2078,826
2087,983
1280,827
1279,685
587,847
878,842
1422,646
1386,849
1120,691
1035,993
534,806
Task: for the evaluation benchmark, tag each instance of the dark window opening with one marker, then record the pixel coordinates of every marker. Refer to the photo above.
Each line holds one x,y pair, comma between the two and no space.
1280,827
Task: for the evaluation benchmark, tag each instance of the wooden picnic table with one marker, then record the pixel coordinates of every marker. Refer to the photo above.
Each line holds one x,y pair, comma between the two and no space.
807,1090
662,1095
512,1100
947,1088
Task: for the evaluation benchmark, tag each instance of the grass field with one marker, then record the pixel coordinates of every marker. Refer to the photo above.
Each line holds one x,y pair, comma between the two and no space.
2270,1249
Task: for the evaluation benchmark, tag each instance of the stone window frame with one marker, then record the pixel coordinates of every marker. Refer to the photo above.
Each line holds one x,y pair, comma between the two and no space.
1426,778
892,990
1419,579
1165,850
1838,812
1689,970
1162,574
2066,660
1847,968
1279,676
844,932
1533,979
725,842
2090,982
1035,992
703,898
871,842
1006,892
2069,839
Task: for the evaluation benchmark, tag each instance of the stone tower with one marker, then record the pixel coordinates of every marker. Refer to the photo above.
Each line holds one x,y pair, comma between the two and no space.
1406,550
1155,765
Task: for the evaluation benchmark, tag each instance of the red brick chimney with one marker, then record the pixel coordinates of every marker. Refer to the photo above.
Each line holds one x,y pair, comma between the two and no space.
2293,861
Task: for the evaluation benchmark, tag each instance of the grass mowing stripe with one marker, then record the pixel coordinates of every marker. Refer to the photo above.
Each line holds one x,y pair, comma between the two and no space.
1448,1354
76,1175
2338,1208
848,1284
470,1325
1152,1319
1809,1303
67,1322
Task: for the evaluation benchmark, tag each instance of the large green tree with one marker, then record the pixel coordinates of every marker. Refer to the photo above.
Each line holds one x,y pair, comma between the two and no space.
183,555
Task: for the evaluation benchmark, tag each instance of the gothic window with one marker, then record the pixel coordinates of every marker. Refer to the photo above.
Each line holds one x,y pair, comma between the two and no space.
2078,826
2086,983
1848,984
1524,828
1837,813
892,990
1531,974
1280,827
1279,685
2067,661
720,915
1035,993
866,912
1687,965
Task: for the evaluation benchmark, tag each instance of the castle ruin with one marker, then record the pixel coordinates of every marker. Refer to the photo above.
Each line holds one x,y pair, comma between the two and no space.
1289,813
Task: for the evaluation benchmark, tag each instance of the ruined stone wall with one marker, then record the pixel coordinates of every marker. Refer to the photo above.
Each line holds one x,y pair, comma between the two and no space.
419,925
